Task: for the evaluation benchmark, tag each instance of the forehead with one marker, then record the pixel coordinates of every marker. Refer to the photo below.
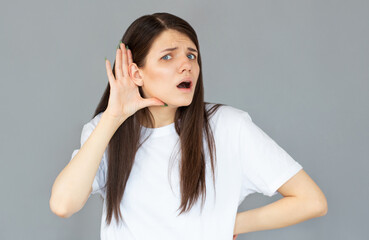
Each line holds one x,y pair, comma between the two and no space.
171,38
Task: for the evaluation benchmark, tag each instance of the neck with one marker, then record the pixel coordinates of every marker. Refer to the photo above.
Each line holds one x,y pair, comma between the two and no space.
163,116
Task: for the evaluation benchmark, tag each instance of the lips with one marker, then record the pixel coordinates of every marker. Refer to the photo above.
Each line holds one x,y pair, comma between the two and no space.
185,83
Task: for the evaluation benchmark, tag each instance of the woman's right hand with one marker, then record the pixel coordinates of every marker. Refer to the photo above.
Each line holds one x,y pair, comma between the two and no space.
125,99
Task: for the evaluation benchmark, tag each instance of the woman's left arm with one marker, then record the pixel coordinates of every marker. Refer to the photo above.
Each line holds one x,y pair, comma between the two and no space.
302,200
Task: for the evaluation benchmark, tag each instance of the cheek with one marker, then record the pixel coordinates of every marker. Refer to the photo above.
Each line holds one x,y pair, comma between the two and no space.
159,84
162,76
197,72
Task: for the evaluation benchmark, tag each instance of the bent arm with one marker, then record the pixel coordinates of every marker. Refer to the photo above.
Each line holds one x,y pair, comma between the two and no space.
73,185
302,200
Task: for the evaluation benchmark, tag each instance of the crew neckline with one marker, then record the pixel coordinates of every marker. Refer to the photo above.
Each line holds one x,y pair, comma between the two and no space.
160,131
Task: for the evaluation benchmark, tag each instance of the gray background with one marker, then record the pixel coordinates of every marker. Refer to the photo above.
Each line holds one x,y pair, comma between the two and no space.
300,68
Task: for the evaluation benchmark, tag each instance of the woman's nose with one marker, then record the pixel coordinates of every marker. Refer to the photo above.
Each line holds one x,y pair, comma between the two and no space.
185,64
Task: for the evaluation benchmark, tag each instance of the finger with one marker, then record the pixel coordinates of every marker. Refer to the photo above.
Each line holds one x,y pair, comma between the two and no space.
118,65
130,58
109,72
124,59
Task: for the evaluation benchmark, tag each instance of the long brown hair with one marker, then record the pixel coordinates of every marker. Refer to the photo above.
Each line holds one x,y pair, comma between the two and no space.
194,119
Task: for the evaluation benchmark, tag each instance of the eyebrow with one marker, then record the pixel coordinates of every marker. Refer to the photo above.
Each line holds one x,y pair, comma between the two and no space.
171,49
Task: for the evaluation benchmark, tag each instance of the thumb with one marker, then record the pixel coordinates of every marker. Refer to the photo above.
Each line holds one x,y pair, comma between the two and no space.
152,102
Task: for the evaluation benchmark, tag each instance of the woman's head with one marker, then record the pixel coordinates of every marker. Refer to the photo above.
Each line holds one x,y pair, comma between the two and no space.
164,69
158,73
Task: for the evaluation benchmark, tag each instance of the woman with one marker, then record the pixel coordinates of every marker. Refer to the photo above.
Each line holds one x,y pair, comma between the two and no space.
154,146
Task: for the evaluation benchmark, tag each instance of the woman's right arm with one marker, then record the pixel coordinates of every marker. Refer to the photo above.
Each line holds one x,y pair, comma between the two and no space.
73,185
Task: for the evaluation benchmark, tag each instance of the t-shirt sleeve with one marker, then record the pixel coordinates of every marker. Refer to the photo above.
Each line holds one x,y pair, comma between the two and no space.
265,165
98,185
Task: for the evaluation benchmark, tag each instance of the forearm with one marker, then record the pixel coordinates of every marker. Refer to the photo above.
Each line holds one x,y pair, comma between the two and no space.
74,183
281,213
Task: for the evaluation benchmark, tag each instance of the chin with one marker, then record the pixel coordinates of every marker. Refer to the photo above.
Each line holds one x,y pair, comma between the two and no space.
182,103
187,104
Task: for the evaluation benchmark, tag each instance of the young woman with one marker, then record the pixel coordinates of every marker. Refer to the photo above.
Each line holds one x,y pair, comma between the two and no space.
154,147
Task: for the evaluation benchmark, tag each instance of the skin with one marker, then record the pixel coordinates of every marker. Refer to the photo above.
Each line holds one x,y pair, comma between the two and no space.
164,70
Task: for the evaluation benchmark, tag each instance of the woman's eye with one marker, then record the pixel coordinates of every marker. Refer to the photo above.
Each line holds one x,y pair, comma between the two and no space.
165,56
194,56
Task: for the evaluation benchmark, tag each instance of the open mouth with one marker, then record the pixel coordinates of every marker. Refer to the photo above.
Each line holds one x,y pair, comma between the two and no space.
184,85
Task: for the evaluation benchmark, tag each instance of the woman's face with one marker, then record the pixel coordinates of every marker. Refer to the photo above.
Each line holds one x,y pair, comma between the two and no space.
165,69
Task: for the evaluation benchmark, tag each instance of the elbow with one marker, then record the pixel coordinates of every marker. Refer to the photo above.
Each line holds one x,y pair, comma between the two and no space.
321,206
57,210
316,207
60,214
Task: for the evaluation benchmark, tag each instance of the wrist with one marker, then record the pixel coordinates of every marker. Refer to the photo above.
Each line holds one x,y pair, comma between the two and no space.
113,121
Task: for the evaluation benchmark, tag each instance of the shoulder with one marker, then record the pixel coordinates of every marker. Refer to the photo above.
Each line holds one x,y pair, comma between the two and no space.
229,114
229,120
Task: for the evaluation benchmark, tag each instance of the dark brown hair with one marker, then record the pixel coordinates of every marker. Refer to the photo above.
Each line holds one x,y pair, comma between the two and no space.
194,119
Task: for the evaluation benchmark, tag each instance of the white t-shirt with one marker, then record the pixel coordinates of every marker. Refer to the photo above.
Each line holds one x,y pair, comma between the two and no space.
248,161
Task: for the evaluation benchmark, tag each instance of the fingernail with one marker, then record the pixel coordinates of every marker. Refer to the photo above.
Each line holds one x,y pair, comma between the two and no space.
165,105
118,46
127,47
105,59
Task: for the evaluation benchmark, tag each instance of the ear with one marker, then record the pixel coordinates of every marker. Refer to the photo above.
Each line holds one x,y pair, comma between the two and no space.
136,74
